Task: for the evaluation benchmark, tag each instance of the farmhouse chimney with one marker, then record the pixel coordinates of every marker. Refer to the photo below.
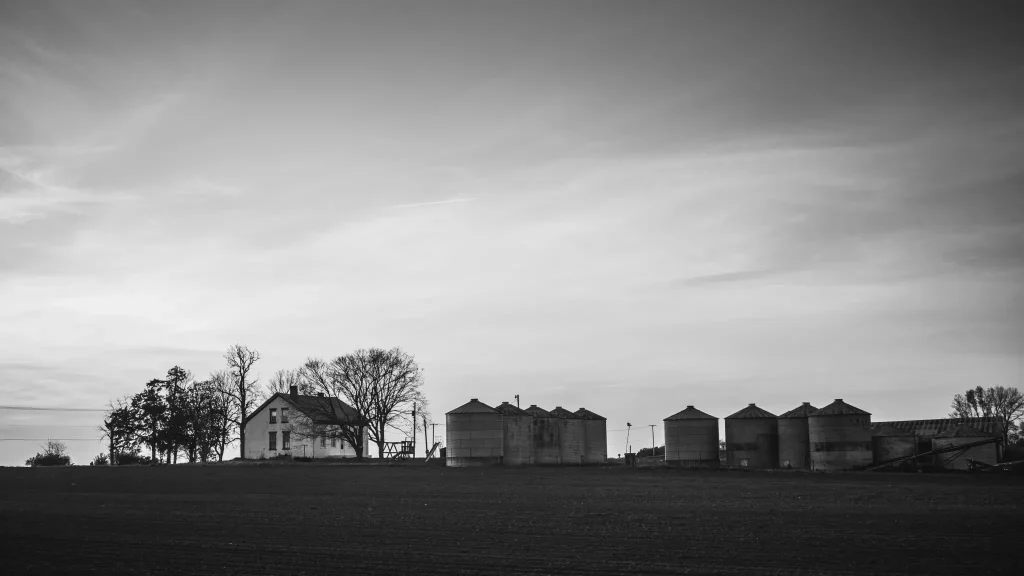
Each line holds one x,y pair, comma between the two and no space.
293,391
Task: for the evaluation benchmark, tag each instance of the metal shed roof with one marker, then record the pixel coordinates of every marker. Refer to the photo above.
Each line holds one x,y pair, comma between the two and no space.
802,411
929,428
840,408
963,431
473,406
750,412
691,413
887,430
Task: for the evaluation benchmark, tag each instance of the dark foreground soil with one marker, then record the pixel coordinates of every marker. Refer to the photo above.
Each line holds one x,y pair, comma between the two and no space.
310,519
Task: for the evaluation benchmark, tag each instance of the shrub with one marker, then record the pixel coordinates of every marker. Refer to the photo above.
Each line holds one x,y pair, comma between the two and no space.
133,459
100,460
54,454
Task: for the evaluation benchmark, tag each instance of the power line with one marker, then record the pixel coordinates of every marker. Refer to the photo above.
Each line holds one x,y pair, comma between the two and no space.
47,425
46,439
48,409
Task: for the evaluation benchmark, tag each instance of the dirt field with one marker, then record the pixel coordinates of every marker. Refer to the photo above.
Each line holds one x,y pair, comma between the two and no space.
312,519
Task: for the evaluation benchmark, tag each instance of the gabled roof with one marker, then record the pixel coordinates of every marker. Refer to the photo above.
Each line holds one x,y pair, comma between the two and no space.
888,431
929,428
510,410
963,431
585,414
751,412
691,413
319,409
538,412
840,408
474,406
802,411
560,412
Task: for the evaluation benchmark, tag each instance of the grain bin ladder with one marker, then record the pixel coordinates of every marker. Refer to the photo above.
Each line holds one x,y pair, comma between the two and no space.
431,452
959,449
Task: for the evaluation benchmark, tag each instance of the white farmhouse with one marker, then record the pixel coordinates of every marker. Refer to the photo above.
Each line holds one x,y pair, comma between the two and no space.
281,427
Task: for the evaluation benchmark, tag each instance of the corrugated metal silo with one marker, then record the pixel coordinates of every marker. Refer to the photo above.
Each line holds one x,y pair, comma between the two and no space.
889,443
794,438
958,436
840,437
546,436
752,438
595,437
474,435
691,439
571,444
517,441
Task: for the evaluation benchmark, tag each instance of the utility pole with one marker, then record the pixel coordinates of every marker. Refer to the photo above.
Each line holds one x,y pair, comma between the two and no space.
425,447
517,400
652,438
414,430
628,427
433,436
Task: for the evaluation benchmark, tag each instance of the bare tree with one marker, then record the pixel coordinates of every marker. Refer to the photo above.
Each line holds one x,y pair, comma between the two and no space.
1004,403
225,411
283,380
244,390
324,418
382,385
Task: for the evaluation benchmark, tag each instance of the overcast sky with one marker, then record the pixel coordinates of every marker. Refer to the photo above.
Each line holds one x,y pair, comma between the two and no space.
626,206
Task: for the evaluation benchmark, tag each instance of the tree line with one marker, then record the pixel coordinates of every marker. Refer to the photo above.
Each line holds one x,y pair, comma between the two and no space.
179,416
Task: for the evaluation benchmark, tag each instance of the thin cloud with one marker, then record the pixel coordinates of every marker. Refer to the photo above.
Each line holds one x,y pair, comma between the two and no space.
449,201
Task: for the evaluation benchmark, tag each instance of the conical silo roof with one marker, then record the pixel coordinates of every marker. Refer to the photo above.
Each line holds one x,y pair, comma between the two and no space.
962,431
691,413
585,414
510,410
889,431
802,411
473,406
750,412
840,408
560,412
538,412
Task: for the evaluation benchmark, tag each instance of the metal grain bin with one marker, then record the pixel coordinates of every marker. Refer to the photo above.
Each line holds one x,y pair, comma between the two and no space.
546,436
958,436
474,435
595,437
517,428
691,439
752,438
889,443
794,438
571,445
840,437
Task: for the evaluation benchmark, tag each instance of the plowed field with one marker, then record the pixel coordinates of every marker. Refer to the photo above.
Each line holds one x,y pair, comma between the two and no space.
343,519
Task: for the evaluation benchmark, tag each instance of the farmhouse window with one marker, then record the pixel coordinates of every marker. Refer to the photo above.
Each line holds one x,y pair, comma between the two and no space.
284,415
273,415
286,440
323,441
334,442
273,440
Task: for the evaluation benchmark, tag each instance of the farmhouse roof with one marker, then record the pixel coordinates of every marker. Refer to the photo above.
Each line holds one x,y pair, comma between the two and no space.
319,409
840,408
473,406
751,412
691,413
802,411
929,428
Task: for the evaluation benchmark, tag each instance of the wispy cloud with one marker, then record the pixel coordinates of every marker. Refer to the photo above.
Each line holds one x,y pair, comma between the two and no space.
449,201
